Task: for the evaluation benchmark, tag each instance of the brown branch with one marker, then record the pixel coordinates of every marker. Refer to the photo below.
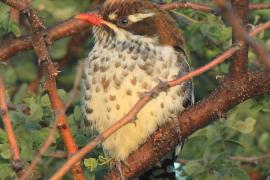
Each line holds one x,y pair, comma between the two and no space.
259,6
76,85
251,160
16,162
241,35
240,59
15,15
40,47
61,30
17,4
129,117
208,8
189,5
57,154
244,159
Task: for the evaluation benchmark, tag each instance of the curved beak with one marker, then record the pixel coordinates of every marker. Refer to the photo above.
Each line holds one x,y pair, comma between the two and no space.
91,18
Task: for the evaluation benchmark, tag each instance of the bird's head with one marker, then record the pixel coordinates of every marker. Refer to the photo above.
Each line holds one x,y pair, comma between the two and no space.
124,18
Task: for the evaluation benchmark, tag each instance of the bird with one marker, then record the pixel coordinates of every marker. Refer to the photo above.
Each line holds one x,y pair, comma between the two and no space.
137,45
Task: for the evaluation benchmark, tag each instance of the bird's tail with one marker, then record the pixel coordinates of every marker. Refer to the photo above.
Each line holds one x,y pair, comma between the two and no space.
162,171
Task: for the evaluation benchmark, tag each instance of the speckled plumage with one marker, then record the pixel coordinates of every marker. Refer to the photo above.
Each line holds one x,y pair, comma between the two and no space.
123,64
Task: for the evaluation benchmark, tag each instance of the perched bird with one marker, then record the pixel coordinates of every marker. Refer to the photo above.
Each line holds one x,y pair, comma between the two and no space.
136,45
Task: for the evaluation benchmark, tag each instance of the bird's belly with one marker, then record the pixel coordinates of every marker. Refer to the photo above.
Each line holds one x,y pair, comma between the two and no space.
114,91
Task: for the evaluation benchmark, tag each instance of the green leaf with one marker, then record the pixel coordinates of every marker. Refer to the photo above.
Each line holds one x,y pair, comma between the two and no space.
3,136
193,168
40,135
77,114
14,28
45,101
63,94
247,126
239,174
6,171
5,151
36,112
27,151
235,142
29,74
90,163
264,141
19,96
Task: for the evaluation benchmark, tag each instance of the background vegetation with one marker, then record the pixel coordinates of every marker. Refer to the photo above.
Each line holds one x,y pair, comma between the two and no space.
211,153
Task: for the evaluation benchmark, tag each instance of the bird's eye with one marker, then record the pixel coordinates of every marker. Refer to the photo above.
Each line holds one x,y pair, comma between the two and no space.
123,22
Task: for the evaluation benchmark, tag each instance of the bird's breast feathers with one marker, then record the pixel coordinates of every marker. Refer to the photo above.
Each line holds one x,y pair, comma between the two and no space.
117,73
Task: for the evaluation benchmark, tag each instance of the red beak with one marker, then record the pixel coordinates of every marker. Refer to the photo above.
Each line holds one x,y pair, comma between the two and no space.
91,18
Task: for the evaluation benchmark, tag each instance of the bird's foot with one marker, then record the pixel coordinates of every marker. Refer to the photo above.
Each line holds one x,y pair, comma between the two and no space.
133,120
118,164
178,131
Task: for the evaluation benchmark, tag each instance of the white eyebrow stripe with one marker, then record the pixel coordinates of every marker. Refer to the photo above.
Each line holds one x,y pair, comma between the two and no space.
139,16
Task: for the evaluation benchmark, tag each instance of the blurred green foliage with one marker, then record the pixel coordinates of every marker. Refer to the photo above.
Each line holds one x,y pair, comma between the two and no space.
244,131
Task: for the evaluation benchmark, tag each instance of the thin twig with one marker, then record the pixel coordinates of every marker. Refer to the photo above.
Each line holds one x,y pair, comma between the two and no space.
208,8
252,160
244,159
76,85
17,163
57,154
259,6
189,5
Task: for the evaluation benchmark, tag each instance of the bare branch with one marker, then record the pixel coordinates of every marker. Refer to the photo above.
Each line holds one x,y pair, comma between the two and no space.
76,85
17,163
259,6
244,159
189,5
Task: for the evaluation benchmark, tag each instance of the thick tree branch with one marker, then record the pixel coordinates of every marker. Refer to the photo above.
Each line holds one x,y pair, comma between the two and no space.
61,30
231,92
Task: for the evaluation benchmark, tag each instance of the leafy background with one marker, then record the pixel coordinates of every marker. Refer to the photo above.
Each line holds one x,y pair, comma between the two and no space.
244,131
